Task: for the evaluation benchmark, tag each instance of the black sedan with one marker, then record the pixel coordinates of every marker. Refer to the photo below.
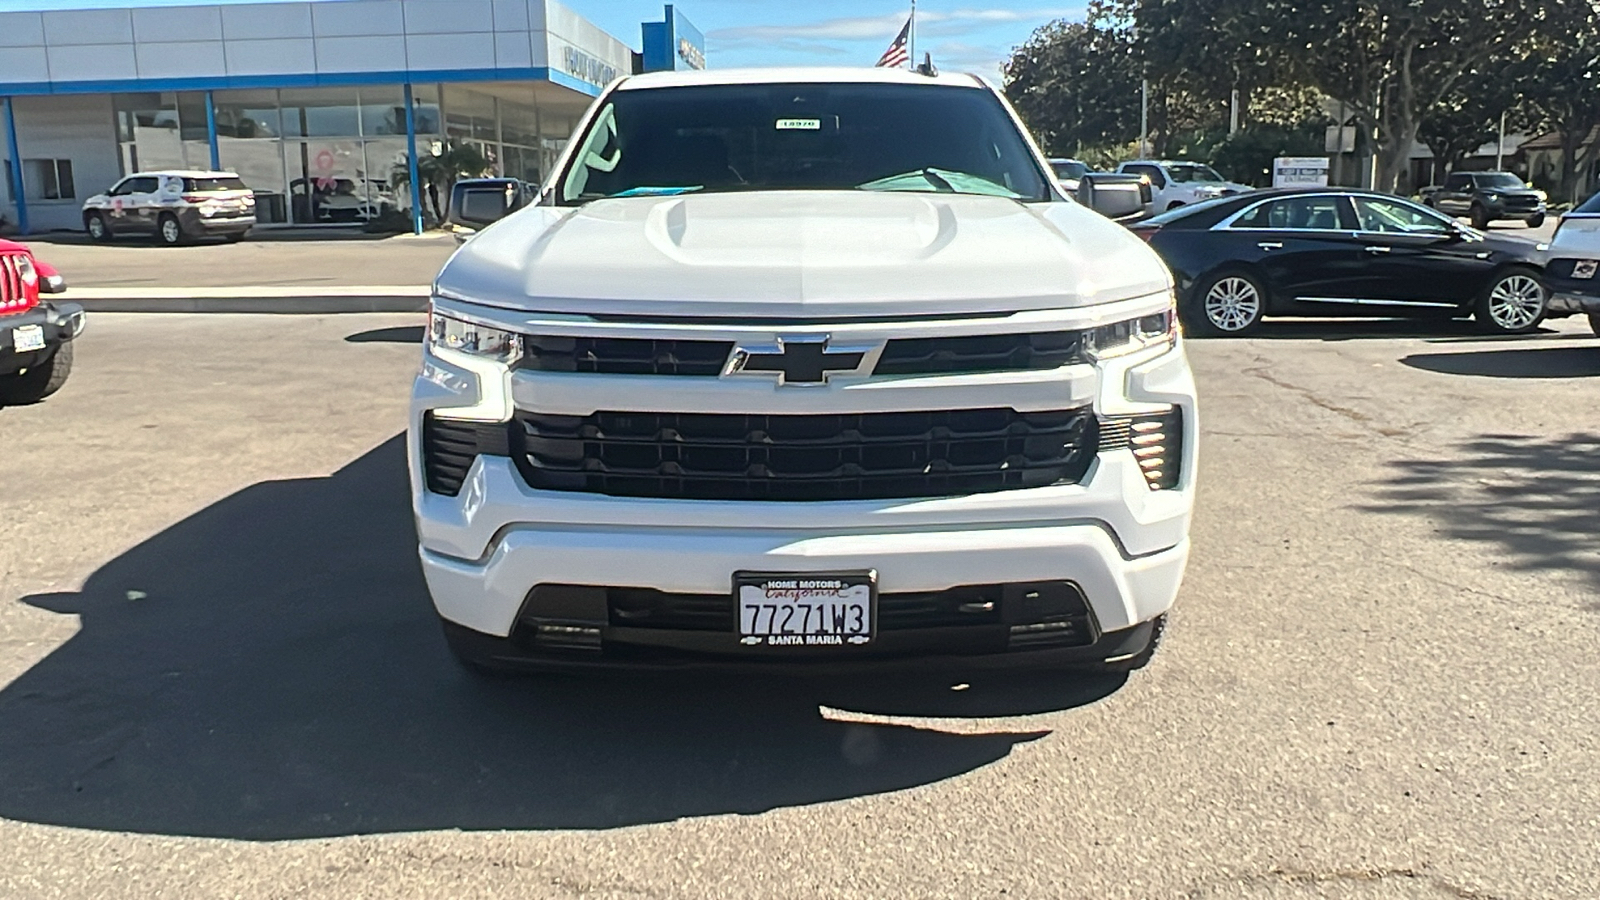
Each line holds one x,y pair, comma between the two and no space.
1332,252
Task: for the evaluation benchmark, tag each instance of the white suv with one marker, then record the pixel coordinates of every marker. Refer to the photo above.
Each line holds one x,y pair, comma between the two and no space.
174,207
1177,184
803,367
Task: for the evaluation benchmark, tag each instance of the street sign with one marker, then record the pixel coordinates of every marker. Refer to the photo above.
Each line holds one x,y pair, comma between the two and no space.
1300,171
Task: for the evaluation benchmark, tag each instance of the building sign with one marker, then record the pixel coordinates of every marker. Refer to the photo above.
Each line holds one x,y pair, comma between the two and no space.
692,56
586,67
1300,171
673,44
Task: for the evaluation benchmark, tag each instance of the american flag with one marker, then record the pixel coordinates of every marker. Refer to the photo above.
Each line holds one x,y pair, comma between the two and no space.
897,55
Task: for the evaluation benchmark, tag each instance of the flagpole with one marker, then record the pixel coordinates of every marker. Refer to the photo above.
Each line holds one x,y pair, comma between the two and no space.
912,56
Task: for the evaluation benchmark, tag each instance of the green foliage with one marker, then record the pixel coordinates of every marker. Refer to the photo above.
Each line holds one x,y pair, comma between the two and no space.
439,172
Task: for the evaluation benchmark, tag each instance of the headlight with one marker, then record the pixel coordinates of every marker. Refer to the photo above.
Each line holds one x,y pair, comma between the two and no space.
473,339
25,268
1132,335
1492,197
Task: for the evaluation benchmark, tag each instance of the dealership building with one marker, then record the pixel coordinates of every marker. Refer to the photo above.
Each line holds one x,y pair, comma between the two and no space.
323,107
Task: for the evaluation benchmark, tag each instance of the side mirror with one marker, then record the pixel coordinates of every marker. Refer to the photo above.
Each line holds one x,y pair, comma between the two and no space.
481,202
1117,197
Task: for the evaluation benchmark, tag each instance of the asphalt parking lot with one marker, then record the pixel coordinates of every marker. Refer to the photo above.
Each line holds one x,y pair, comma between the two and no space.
301,258
220,675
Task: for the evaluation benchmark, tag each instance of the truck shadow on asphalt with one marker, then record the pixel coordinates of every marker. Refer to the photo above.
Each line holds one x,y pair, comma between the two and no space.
1548,362
1533,500
271,668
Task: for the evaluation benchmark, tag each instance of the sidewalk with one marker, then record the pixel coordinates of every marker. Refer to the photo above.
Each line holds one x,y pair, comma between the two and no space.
306,266
271,299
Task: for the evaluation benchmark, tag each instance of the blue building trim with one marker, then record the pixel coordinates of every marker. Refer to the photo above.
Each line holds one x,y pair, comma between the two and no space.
211,131
411,162
318,79
18,192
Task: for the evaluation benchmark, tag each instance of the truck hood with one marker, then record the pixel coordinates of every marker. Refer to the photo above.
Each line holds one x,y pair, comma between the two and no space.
802,255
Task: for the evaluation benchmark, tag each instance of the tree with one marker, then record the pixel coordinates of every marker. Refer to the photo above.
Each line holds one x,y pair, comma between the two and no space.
1467,119
1392,61
1077,84
440,171
1561,83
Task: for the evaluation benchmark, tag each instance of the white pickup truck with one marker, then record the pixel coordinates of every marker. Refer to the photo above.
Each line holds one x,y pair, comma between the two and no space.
1177,184
807,368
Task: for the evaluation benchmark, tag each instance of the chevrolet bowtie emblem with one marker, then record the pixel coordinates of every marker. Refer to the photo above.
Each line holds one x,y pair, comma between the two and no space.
804,359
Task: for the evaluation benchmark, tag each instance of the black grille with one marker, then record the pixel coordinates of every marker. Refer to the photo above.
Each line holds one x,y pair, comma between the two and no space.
12,291
624,356
804,458
449,447
919,356
982,353
956,608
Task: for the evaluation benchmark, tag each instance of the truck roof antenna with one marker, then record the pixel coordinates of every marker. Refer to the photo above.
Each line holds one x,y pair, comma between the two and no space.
926,68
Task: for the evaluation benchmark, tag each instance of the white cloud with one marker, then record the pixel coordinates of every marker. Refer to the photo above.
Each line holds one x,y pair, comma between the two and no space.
881,28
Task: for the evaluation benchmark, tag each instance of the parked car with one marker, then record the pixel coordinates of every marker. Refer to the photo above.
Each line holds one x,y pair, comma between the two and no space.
1332,252
1069,172
1178,184
175,207
1487,197
35,334
876,393
1573,270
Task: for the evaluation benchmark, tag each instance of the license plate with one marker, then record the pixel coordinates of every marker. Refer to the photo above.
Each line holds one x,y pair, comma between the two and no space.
809,610
28,338
1586,268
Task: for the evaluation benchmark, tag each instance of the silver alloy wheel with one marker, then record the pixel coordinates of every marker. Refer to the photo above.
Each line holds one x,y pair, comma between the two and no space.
97,227
171,232
1233,304
1516,302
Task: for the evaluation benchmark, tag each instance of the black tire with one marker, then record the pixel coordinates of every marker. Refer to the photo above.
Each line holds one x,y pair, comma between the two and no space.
1176,204
39,382
1515,302
1594,323
1536,220
1143,658
1222,318
98,228
1480,218
169,230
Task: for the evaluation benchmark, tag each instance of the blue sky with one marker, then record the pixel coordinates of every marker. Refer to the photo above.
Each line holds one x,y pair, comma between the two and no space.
967,35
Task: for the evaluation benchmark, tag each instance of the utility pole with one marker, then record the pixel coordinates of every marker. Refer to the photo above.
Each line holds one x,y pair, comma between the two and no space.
1144,120
1233,114
1500,147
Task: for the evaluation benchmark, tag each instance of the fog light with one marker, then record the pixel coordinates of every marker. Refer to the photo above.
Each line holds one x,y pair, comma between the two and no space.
1156,442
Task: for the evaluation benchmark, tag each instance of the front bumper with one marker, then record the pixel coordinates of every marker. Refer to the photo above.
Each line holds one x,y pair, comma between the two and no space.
1123,545
61,322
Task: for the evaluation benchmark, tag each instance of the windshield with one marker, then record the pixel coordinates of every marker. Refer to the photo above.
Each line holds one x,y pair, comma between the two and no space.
1500,180
819,137
1194,173
1069,170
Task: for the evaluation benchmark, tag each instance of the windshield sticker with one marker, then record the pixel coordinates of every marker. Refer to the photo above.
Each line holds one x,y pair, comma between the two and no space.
799,124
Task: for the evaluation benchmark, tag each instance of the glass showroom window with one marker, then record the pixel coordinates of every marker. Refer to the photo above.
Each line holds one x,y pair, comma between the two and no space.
148,135
249,127
48,179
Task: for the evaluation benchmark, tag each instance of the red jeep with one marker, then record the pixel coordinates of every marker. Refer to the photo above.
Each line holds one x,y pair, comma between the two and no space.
35,336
